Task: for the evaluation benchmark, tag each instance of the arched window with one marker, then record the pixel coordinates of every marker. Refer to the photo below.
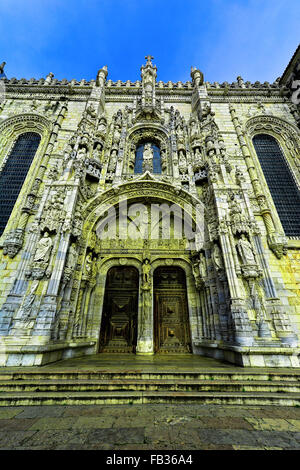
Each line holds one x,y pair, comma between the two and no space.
281,183
14,173
149,161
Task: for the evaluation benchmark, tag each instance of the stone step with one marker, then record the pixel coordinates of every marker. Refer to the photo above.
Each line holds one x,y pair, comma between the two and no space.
291,375
139,397
65,385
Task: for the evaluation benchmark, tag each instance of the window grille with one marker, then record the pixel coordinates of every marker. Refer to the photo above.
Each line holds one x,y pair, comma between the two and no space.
282,185
14,173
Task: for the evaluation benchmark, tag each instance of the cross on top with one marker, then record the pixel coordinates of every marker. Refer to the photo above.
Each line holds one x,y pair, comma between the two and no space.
149,58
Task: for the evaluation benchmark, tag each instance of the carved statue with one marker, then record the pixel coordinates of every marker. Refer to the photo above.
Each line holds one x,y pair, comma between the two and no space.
43,249
238,219
146,268
245,251
72,257
217,257
53,213
148,157
97,152
102,127
88,265
113,161
196,273
2,67
81,154
90,110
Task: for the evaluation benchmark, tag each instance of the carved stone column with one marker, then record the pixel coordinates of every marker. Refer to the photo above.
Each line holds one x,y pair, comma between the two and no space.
276,241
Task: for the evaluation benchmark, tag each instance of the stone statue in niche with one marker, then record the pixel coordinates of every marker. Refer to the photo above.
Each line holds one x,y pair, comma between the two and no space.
196,273
90,111
101,131
26,308
77,223
245,251
81,154
217,257
148,158
238,219
118,119
70,263
116,135
43,249
72,257
112,161
53,213
146,268
88,265
97,152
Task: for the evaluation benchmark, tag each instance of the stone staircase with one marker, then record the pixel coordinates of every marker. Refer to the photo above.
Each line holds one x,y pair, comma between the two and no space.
75,387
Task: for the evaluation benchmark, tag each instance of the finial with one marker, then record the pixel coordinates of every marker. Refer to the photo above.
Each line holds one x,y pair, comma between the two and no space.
2,68
197,76
149,58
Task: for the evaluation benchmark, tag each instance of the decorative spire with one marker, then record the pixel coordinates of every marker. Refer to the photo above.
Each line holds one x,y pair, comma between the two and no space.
149,58
197,76
101,76
148,74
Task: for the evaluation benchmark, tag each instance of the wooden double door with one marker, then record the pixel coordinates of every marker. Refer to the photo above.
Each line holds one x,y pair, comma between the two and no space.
171,323
120,310
171,330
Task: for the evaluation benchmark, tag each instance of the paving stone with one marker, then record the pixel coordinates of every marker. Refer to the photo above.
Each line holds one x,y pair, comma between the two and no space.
16,424
132,421
157,427
216,447
255,448
50,439
270,424
13,439
227,437
223,423
89,410
295,423
53,423
157,436
117,436
41,411
277,412
281,439
134,447
94,422
99,446
10,412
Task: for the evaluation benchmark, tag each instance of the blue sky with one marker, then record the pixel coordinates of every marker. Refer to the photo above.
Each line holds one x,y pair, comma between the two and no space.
74,38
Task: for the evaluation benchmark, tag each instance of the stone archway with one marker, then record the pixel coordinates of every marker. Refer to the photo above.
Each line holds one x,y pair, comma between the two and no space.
119,249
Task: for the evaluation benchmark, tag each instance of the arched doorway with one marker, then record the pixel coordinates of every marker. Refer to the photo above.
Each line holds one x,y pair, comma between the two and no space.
171,322
118,332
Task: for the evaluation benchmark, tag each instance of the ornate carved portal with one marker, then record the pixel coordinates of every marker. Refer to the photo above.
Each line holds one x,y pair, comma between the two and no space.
119,319
171,323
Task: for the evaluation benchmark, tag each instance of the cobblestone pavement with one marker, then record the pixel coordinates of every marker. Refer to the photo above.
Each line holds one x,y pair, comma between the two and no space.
150,427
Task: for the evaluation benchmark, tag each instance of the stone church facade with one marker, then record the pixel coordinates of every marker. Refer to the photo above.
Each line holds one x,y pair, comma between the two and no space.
150,218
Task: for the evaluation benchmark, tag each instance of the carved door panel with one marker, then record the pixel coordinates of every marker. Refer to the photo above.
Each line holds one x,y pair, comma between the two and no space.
119,318
171,324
